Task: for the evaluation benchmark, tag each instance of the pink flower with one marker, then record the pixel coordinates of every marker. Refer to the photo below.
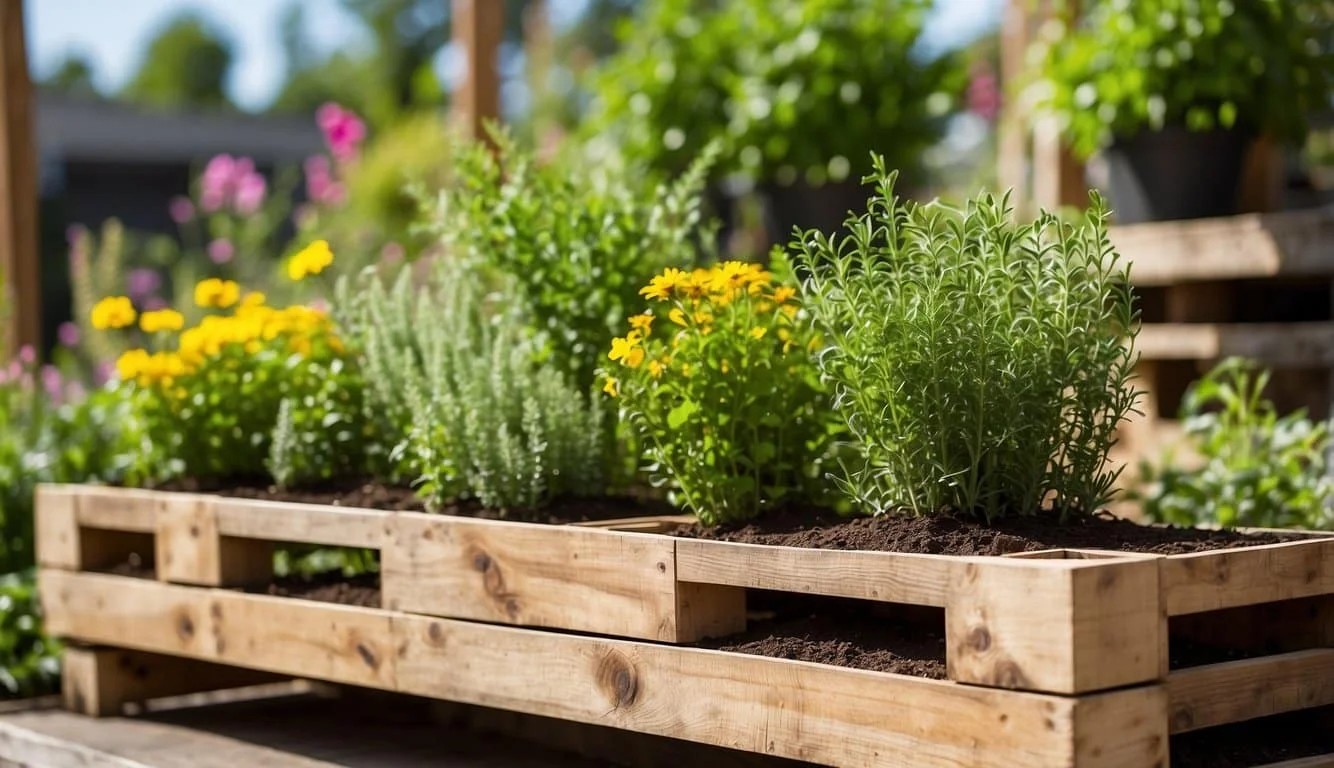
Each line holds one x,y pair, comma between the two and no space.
392,252
343,130
142,283
321,187
52,382
983,97
74,392
250,191
231,183
220,251
155,302
15,371
215,183
68,335
181,209
27,355
103,372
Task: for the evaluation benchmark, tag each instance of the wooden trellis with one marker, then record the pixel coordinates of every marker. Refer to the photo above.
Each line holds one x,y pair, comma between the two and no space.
18,185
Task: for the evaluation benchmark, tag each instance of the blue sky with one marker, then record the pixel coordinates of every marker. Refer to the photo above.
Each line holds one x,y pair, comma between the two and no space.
112,33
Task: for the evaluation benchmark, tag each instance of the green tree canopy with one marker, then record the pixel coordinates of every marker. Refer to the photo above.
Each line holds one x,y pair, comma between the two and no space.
185,64
73,76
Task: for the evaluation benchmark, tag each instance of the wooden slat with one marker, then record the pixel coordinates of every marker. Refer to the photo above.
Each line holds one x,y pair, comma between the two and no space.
885,576
190,549
1298,345
583,579
1228,248
792,709
1217,694
328,526
336,643
101,681
1211,581
118,509
24,747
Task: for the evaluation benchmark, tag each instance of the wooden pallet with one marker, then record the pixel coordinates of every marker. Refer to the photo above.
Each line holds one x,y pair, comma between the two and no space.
1054,658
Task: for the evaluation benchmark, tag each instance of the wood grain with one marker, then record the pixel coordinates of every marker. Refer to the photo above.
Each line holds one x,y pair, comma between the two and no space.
1211,581
1217,694
190,549
324,525
1292,345
885,576
100,681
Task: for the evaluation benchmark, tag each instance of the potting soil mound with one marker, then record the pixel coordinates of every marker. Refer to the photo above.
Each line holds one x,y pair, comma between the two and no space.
368,495
955,535
333,587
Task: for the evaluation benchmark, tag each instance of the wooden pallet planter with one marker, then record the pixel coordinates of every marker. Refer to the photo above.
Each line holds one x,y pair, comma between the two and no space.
1054,658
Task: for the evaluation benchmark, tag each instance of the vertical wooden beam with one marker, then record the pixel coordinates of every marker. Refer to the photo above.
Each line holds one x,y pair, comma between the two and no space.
18,184
1012,129
478,27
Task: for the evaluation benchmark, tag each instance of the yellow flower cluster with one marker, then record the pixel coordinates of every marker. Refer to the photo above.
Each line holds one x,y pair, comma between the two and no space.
113,312
311,260
214,292
722,283
251,325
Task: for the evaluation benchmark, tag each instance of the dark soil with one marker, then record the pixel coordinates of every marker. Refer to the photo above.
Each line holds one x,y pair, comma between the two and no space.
362,589
1259,742
901,639
954,535
369,495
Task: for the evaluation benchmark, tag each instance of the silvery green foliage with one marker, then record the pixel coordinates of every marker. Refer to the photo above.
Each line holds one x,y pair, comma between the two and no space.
464,406
283,446
981,365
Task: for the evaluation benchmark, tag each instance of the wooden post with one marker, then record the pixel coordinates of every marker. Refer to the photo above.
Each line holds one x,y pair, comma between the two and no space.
18,185
478,27
1012,129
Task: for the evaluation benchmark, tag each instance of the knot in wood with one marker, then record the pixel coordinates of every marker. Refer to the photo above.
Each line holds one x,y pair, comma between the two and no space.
617,678
979,639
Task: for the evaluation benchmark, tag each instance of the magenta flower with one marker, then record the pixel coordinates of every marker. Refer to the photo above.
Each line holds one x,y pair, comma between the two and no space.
155,302
220,251
103,372
68,335
27,355
181,209
983,97
343,130
15,371
141,283
52,382
250,191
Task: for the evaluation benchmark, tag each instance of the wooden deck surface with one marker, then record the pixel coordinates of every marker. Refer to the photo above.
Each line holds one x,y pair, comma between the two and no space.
287,731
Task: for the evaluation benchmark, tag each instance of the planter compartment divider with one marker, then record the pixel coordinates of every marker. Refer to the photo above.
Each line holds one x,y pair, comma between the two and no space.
1054,658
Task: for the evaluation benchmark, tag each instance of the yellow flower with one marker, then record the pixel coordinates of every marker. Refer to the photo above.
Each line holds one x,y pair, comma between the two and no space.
113,312
217,293
642,323
131,363
783,293
661,286
161,320
627,350
677,316
758,332
656,367
253,299
611,387
310,260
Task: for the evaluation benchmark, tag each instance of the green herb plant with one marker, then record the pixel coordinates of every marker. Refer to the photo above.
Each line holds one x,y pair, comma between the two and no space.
981,365
718,381
574,239
1127,66
29,660
1256,468
465,407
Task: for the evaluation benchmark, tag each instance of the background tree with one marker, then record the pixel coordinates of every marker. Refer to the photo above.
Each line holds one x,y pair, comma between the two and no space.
186,64
73,76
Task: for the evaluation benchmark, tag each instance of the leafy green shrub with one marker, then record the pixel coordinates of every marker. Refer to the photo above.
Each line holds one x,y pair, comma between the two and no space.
799,89
1261,65
981,365
1259,468
462,403
719,381
576,240
29,660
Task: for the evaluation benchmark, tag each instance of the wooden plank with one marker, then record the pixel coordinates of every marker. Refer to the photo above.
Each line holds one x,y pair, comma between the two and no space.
1064,626
824,714
583,579
1314,761
1211,581
478,29
118,509
886,576
1217,694
325,525
336,643
20,267
778,707
23,747
101,681
190,549
1229,247
1300,345
63,542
